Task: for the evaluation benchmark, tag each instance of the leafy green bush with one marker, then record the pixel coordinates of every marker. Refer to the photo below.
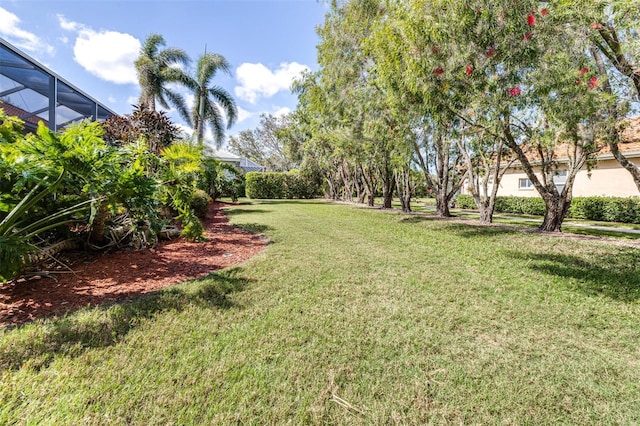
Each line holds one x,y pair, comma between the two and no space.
275,185
608,209
510,204
591,208
520,205
466,202
625,210
16,234
200,202
180,165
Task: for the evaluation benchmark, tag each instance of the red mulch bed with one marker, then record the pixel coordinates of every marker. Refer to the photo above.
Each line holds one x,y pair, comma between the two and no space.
124,275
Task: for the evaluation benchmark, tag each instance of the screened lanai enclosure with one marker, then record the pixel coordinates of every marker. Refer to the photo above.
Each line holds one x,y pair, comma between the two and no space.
34,93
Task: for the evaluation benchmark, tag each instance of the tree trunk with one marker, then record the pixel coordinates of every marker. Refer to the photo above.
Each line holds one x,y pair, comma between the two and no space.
388,183
369,186
556,204
347,182
387,192
614,137
332,189
387,197
556,209
403,188
442,205
633,170
98,227
371,198
478,184
406,195
486,215
360,192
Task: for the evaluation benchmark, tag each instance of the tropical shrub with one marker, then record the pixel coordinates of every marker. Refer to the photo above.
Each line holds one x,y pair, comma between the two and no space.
152,127
115,181
220,179
181,163
200,202
16,232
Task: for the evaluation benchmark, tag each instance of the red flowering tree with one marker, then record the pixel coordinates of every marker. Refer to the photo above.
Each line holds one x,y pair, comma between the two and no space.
612,29
507,70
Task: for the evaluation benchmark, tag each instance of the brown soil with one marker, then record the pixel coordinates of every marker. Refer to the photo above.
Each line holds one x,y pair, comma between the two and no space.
98,278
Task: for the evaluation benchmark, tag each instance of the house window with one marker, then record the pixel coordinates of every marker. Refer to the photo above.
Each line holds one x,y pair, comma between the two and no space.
524,183
560,179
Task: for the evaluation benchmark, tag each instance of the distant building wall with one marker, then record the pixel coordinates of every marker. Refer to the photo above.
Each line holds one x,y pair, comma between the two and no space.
608,179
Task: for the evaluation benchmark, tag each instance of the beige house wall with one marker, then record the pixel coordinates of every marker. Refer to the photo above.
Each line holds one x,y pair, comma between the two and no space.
606,179
509,185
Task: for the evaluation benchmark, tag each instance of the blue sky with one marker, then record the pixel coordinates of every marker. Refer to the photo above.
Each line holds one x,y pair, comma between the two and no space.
93,43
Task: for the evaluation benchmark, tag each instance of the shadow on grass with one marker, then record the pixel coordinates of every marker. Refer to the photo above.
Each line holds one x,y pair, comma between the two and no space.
230,211
254,228
292,201
479,231
483,231
616,276
416,219
600,232
36,345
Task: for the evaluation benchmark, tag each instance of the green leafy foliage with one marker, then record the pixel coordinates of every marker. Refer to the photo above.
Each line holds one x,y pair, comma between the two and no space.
16,231
199,202
156,67
220,179
210,100
607,209
181,166
274,185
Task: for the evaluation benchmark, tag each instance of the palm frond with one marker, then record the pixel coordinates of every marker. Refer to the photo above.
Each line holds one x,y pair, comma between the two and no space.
227,103
214,117
206,109
151,45
179,103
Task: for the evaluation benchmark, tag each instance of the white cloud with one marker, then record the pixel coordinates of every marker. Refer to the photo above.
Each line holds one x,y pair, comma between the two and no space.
69,25
281,111
132,100
257,81
109,55
189,100
243,115
11,31
187,131
112,99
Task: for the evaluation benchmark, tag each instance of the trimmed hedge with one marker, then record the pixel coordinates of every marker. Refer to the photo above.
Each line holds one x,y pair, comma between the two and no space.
273,185
606,209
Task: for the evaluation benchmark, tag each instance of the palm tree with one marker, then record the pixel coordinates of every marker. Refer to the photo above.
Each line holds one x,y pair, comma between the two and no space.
156,67
212,104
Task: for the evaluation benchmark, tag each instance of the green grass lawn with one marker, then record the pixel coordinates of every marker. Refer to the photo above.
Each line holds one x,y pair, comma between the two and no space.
351,316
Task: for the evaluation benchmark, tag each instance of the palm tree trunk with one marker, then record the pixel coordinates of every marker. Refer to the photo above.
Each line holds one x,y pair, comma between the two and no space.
200,120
